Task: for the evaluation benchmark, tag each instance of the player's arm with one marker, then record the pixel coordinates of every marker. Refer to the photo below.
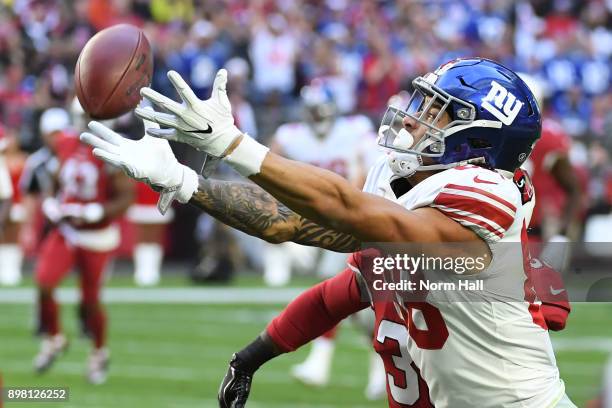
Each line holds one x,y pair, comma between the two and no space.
247,207
330,200
244,206
304,319
122,195
317,194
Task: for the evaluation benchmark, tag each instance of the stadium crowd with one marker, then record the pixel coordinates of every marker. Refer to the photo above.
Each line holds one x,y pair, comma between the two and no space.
365,51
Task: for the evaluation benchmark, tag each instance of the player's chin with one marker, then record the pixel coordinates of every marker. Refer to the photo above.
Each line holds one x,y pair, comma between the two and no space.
428,161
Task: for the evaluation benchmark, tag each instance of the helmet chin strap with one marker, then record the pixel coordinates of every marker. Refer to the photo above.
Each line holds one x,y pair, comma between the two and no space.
407,164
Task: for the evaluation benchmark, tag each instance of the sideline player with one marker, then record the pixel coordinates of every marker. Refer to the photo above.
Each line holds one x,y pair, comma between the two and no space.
90,196
452,154
559,196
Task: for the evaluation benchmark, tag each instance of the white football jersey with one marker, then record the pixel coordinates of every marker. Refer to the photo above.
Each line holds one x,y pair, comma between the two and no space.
488,353
350,143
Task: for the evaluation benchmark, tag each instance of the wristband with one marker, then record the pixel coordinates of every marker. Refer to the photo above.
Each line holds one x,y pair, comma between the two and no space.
247,157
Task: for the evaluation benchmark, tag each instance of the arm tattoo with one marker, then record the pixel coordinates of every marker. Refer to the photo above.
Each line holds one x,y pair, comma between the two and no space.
251,209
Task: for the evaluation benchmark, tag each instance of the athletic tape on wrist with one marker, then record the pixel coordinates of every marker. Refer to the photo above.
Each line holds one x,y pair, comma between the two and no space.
248,156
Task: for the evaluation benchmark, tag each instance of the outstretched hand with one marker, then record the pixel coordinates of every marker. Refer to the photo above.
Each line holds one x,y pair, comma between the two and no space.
207,125
149,160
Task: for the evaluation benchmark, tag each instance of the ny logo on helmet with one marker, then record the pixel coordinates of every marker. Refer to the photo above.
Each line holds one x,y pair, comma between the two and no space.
502,104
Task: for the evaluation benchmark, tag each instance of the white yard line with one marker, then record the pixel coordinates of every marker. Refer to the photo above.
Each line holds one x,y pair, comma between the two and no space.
170,373
586,343
211,296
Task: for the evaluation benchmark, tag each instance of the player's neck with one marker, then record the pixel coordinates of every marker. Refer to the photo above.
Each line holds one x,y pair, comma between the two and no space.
419,176
402,185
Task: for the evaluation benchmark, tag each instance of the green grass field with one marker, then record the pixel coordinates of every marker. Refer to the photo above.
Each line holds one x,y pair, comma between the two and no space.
174,355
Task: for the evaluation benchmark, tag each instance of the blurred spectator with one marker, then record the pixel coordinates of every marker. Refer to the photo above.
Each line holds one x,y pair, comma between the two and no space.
380,81
238,71
273,52
166,11
202,56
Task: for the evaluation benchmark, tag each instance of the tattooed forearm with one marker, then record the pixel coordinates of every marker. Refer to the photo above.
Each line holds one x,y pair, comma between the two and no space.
249,208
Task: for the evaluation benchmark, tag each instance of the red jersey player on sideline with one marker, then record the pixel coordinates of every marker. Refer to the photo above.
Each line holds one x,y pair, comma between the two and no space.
90,196
559,196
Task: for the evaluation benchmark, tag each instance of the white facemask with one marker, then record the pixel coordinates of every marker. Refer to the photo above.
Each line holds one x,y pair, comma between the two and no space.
403,164
406,164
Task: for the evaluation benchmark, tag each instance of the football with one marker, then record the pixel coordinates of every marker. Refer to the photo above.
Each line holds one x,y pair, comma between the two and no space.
112,67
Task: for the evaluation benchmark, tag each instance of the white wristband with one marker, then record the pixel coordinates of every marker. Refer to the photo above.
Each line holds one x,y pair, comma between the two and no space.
247,157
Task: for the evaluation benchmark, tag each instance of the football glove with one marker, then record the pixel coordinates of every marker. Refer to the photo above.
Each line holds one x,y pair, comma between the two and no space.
235,387
79,214
148,160
51,210
207,126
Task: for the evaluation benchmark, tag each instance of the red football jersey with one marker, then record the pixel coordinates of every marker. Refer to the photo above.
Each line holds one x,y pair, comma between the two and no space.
82,177
550,197
145,195
405,386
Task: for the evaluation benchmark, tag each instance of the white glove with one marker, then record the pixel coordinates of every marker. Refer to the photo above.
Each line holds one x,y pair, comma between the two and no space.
51,209
207,125
149,160
89,213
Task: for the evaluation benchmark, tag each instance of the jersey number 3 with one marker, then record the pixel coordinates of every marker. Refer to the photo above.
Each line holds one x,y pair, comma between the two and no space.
403,379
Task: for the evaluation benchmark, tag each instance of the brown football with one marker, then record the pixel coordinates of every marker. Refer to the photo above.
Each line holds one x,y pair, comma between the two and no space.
112,67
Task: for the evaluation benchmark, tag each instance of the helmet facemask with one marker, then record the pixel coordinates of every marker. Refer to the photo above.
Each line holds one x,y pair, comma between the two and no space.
321,118
407,151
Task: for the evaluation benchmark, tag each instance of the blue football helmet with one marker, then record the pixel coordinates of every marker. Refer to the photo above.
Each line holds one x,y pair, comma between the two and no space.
494,119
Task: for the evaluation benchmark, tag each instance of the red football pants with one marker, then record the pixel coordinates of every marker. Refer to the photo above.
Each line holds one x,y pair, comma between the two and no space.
57,258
